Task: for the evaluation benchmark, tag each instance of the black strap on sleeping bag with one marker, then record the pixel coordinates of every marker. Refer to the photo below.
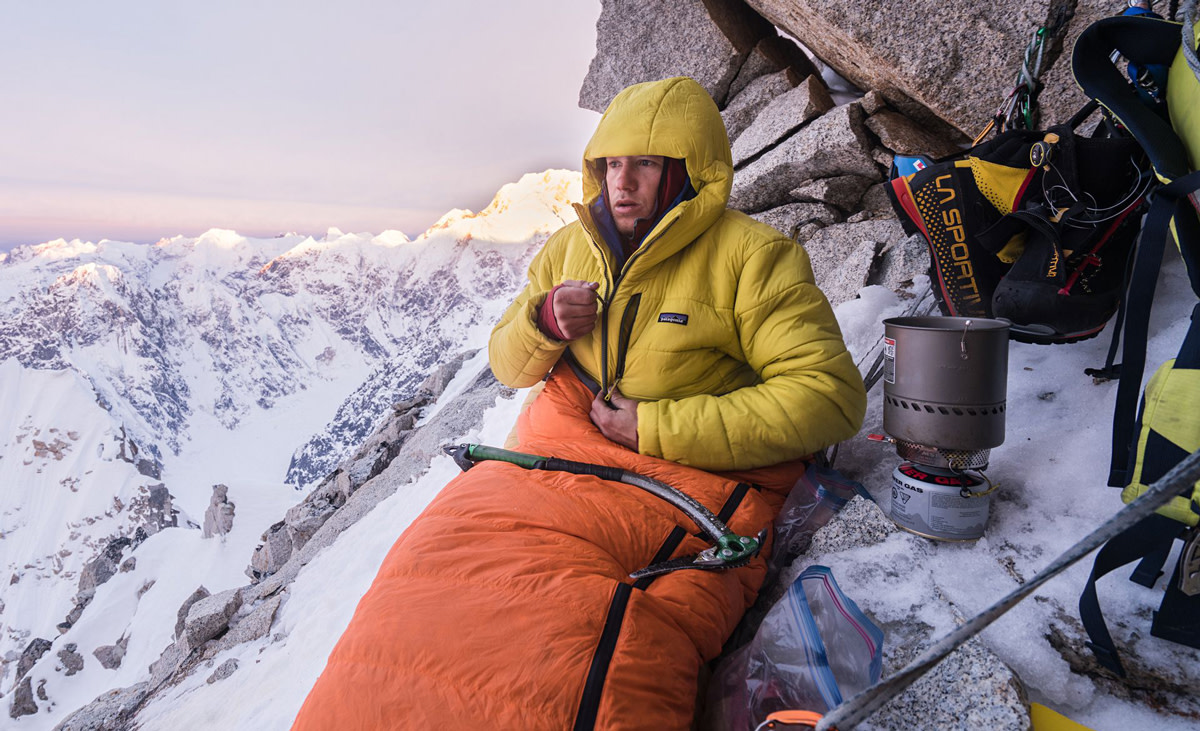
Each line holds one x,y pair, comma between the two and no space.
593,687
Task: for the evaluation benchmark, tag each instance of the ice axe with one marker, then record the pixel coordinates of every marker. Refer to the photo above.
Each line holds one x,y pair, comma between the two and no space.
729,550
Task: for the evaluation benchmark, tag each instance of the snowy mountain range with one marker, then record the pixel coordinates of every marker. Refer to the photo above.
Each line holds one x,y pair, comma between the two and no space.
136,377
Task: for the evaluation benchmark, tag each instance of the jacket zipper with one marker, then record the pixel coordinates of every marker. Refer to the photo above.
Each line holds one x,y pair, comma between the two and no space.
605,386
593,689
628,317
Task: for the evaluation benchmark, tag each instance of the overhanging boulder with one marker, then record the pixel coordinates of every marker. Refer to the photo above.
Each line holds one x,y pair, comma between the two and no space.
950,61
712,42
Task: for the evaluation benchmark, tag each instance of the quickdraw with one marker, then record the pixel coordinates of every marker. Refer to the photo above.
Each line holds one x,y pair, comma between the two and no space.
1020,109
729,550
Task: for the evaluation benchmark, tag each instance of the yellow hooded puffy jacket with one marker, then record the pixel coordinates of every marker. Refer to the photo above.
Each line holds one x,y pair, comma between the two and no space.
714,324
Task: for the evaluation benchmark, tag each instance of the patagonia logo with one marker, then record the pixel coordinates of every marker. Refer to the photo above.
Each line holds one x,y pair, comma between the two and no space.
673,317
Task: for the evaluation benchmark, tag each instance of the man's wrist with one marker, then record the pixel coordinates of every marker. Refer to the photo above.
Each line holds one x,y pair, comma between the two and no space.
546,321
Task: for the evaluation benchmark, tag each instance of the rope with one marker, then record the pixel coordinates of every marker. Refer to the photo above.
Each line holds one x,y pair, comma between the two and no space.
1190,16
856,709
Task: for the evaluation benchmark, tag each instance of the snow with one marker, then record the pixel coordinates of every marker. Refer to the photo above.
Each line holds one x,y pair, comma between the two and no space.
1051,469
274,677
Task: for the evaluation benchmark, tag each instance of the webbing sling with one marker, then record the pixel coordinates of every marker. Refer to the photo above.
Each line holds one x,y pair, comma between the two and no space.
1145,41
1152,536
1168,203
1151,539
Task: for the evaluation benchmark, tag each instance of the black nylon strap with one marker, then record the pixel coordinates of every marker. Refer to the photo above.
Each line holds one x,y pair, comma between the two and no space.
1178,618
1168,201
1144,537
593,688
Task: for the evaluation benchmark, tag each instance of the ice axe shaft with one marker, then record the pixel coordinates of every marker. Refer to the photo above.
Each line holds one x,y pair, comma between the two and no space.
730,549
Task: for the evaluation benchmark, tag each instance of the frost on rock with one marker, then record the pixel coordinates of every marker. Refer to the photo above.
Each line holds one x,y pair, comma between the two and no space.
218,518
209,617
226,669
72,661
110,656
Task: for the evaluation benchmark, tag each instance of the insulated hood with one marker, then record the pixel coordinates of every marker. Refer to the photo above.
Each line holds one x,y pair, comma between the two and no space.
675,118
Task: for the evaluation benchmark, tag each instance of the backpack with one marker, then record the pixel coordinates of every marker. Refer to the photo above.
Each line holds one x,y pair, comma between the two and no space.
1167,426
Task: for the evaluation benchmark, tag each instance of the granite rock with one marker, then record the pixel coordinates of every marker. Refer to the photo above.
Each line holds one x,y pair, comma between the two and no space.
949,63
710,42
22,703
70,658
32,653
743,108
844,255
842,191
902,261
112,710
223,671
901,135
210,616
782,117
110,656
773,54
218,518
1060,96
793,217
831,145
181,615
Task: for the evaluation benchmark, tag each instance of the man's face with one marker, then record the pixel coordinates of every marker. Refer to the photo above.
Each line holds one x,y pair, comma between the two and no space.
632,188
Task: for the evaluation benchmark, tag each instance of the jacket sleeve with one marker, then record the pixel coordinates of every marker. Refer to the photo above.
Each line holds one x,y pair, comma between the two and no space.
519,352
810,396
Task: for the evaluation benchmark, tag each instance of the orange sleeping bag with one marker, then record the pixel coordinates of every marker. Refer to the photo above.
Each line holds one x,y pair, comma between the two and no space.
508,604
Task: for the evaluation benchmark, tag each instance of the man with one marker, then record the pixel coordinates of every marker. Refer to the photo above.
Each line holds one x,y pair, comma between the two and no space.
697,351
703,329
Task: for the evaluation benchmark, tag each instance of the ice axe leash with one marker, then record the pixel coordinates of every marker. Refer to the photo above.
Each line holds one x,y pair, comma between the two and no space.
855,710
729,550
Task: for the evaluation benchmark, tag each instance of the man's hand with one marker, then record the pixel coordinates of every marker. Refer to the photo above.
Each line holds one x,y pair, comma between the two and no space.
575,308
617,419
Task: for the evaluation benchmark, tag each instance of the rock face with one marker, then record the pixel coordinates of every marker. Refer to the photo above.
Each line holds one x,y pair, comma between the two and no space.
210,616
218,518
371,458
209,625
744,108
23,703
711,42
110,656
843,256
72,661
953,62
226,669
833,144
103,567
1061,97
781,117
33,652
182,614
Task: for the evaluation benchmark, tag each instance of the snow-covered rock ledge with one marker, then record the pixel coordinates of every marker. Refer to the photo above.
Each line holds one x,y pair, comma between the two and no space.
215,631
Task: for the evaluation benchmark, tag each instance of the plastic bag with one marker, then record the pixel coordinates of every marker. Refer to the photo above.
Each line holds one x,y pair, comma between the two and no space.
814,648
815,498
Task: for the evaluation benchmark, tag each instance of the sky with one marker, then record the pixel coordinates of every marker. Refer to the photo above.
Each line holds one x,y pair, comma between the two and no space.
137,120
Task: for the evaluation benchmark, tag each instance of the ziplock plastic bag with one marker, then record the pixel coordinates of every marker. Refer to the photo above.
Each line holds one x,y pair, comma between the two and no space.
814,648
815,498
